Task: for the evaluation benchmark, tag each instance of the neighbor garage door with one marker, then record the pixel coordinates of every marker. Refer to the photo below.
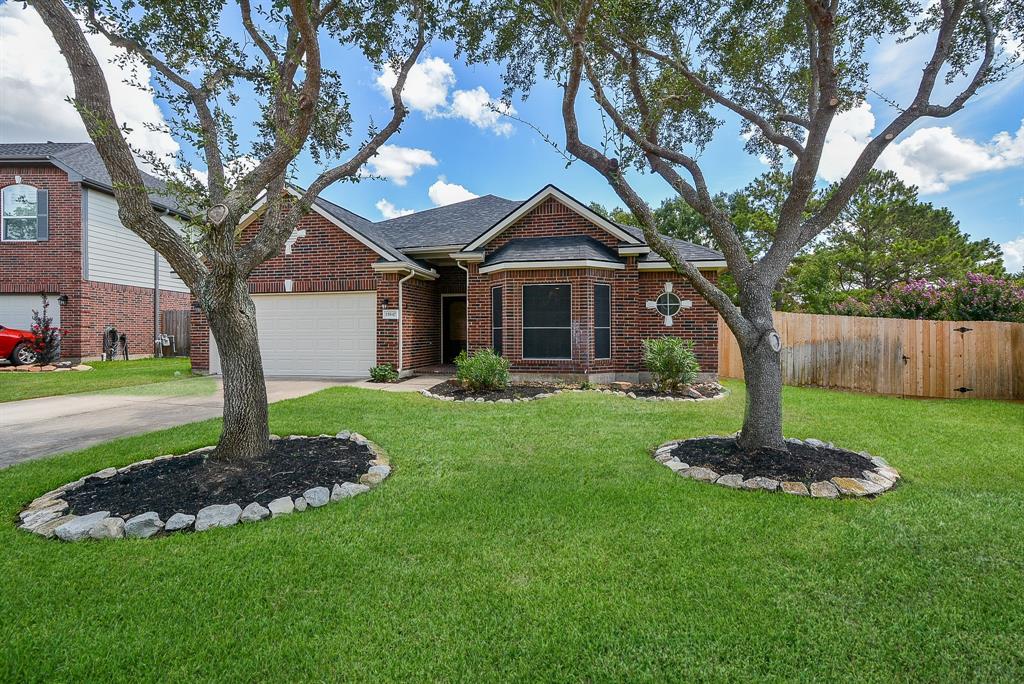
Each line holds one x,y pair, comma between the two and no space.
16,310
328,335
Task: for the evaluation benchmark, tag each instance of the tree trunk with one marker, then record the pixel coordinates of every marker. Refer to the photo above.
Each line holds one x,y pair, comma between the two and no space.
762,371
232,317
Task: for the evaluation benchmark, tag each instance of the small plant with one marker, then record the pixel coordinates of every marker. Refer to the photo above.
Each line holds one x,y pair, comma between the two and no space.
586,385
385,372
671,361
47,335
484,370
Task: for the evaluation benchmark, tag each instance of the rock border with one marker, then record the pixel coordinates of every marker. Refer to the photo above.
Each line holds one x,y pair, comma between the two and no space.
875,481
47,515
722,393
60,366
480,400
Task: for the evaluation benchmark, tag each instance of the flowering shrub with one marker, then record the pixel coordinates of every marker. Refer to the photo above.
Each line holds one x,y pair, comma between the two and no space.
978,297
48,336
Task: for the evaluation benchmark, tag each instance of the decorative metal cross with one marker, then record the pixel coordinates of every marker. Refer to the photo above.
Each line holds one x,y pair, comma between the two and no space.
668,304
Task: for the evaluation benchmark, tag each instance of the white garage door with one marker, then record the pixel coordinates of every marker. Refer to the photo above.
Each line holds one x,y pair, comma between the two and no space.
326,335
16,310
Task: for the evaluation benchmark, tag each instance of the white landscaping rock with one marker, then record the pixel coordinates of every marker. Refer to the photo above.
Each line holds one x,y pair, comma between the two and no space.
282,506
108,528
699,473
300,504
382,470
104,474
760,482
317,496
218,515
254,512
733,481
143,526
675,465
179,521
78,529
347,489
824,490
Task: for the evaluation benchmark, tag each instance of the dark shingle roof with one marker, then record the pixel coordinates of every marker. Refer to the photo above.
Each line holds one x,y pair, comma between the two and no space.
569,248
452,224
83,160
367,229
688,250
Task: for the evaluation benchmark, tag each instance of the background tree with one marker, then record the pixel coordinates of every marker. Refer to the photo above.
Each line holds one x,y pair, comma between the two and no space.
201,67
665,74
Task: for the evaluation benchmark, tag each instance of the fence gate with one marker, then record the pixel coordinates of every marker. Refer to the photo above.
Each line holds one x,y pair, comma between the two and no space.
950,359
176,323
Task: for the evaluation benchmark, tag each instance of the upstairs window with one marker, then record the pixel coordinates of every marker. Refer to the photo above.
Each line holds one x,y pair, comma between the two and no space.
25,215
547,322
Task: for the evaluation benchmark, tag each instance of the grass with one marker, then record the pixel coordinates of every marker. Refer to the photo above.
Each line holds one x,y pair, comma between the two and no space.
540,541
104,375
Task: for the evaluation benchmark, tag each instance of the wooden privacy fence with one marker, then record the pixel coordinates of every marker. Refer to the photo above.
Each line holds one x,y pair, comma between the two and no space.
949,359
176,323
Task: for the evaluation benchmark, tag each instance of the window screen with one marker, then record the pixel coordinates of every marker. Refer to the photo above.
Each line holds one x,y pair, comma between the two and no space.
602,321
547,322
497,320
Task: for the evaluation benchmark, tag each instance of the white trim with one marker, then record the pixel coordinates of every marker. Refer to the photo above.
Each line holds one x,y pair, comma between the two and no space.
3,219
530,265
522,323
665,266
547,192
632,250
468,257
262,201
401,267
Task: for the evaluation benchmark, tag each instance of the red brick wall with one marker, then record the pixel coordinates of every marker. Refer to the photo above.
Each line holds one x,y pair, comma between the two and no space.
54,265
387,331
631,320
421,324
127,308
199,329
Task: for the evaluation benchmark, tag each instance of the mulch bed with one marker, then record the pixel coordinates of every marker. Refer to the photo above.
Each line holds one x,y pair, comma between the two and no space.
801,463
450,388
706,390
188,483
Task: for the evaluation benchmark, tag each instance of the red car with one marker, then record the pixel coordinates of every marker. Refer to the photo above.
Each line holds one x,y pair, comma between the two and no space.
17,346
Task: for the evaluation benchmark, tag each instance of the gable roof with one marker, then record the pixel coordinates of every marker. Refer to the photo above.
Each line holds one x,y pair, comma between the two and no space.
450,225
690,251
82,163
547,192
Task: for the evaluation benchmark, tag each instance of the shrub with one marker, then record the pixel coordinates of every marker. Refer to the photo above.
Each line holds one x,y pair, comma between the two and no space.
671,361
48,336
484,370
384,373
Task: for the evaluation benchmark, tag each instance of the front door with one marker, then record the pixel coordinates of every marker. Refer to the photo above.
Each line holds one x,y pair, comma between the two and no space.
453,327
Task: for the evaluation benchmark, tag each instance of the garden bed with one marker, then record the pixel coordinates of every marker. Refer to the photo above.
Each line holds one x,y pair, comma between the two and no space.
806,468
695,392
195,491
451,390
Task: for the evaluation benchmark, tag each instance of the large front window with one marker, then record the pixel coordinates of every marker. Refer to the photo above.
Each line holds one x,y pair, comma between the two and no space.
23,213
547,322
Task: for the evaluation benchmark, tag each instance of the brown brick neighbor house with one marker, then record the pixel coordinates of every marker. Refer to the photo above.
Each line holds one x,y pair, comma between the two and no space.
553,286
60,235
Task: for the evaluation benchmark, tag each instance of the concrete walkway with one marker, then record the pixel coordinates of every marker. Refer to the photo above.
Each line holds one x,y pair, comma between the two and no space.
35,428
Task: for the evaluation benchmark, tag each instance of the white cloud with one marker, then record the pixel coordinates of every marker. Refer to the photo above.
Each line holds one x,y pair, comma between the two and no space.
426,88
1013,254
932,158
34,80
442,192
398,163
390,211
477,107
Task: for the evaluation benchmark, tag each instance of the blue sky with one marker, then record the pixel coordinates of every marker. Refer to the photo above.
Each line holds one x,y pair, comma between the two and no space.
453,145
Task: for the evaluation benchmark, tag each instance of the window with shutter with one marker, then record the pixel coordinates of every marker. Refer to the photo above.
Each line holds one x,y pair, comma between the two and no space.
24,214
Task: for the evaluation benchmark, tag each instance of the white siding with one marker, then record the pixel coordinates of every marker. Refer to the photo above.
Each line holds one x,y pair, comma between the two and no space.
115,254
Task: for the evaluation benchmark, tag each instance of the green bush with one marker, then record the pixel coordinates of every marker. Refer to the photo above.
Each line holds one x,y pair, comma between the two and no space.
384,373
671,361
484,370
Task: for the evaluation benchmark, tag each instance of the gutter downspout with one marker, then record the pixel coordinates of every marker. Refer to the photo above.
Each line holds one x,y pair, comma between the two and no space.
466,269
158,350
401,320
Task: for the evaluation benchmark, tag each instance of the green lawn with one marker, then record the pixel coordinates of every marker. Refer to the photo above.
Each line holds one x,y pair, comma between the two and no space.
540,541
104,375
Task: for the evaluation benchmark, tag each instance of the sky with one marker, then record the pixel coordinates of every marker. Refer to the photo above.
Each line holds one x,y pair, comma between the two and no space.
454,146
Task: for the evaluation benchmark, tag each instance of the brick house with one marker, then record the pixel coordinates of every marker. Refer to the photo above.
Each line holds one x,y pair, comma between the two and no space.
60,235
553,286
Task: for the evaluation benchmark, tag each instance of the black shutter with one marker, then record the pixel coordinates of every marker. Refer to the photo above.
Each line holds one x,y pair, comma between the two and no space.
42,215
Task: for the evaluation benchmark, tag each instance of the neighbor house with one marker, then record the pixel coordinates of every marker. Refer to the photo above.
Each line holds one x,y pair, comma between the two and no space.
554,287
60,235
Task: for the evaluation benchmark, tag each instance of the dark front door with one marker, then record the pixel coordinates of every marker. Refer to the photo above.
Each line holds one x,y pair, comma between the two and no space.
453,327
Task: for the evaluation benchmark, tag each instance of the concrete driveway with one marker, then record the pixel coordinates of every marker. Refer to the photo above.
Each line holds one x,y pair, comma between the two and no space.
35,428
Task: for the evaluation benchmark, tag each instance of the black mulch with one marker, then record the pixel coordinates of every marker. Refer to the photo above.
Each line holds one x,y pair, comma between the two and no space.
706,390
188,483
801,463
450,388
